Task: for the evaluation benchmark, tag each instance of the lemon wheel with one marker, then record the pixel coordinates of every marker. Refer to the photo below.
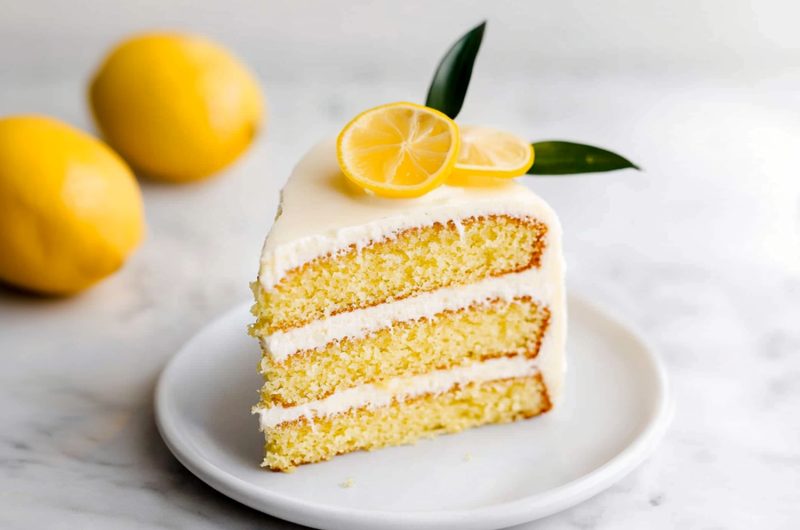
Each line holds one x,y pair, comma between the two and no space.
491,153
399,149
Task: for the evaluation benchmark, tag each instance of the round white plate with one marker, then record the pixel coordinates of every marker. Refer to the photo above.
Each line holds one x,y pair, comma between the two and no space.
615,410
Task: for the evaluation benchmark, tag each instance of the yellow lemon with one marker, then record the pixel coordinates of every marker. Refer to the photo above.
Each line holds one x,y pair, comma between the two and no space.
177,107
70,208
399,149
487,152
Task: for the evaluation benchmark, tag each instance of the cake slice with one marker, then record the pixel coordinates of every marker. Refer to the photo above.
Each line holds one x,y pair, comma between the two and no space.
382,321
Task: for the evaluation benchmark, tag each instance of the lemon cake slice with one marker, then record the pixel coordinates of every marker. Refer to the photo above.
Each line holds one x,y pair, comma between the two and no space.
382,321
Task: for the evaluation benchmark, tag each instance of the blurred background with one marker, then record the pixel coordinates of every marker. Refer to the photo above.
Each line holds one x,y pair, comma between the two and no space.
701,250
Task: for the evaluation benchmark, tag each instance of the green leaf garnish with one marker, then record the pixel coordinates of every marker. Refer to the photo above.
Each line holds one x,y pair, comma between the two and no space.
568,158
451,80
449,88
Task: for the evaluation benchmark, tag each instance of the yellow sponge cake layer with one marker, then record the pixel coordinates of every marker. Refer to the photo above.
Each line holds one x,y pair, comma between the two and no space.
484,330
311,440
419,259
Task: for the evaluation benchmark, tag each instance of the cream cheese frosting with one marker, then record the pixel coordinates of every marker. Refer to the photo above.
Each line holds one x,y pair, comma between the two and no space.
400,388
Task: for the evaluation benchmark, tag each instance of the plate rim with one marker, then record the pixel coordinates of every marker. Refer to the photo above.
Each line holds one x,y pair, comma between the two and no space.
497,515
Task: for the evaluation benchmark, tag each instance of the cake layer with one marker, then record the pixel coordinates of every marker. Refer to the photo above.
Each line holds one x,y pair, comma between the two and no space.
490,328
416,260
463,406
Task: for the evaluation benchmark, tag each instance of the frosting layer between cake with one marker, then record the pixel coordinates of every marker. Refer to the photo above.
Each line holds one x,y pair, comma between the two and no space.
382,394
533,282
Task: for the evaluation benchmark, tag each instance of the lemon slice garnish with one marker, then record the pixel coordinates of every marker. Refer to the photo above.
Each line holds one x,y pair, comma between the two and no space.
491,153
399,149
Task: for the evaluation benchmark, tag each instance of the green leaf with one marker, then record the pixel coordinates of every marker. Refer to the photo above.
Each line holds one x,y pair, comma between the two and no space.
567,158
451,80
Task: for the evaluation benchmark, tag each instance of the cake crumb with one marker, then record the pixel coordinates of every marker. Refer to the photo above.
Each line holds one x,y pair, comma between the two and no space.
349,483
467,457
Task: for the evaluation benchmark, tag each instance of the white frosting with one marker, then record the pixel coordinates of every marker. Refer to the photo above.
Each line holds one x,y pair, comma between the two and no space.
400,388
360,322
322,213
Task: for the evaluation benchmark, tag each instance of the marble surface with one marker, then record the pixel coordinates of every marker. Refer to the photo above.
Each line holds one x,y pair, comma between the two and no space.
701,251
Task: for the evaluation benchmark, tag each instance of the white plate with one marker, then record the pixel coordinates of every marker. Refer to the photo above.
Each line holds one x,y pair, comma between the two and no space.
615,410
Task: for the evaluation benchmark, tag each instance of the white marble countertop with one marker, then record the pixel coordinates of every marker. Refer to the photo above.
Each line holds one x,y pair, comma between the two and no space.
701,251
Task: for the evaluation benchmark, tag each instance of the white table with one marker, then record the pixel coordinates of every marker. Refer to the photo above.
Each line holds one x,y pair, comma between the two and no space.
701,251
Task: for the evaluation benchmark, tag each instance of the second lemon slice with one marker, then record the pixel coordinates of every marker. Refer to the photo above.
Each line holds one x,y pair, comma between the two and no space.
490,152
399,149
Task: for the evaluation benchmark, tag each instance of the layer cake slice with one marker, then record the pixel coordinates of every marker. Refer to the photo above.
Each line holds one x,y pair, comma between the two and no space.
382,321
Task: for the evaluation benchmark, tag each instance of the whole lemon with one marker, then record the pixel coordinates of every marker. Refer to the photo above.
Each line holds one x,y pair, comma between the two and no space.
175,106
70,208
